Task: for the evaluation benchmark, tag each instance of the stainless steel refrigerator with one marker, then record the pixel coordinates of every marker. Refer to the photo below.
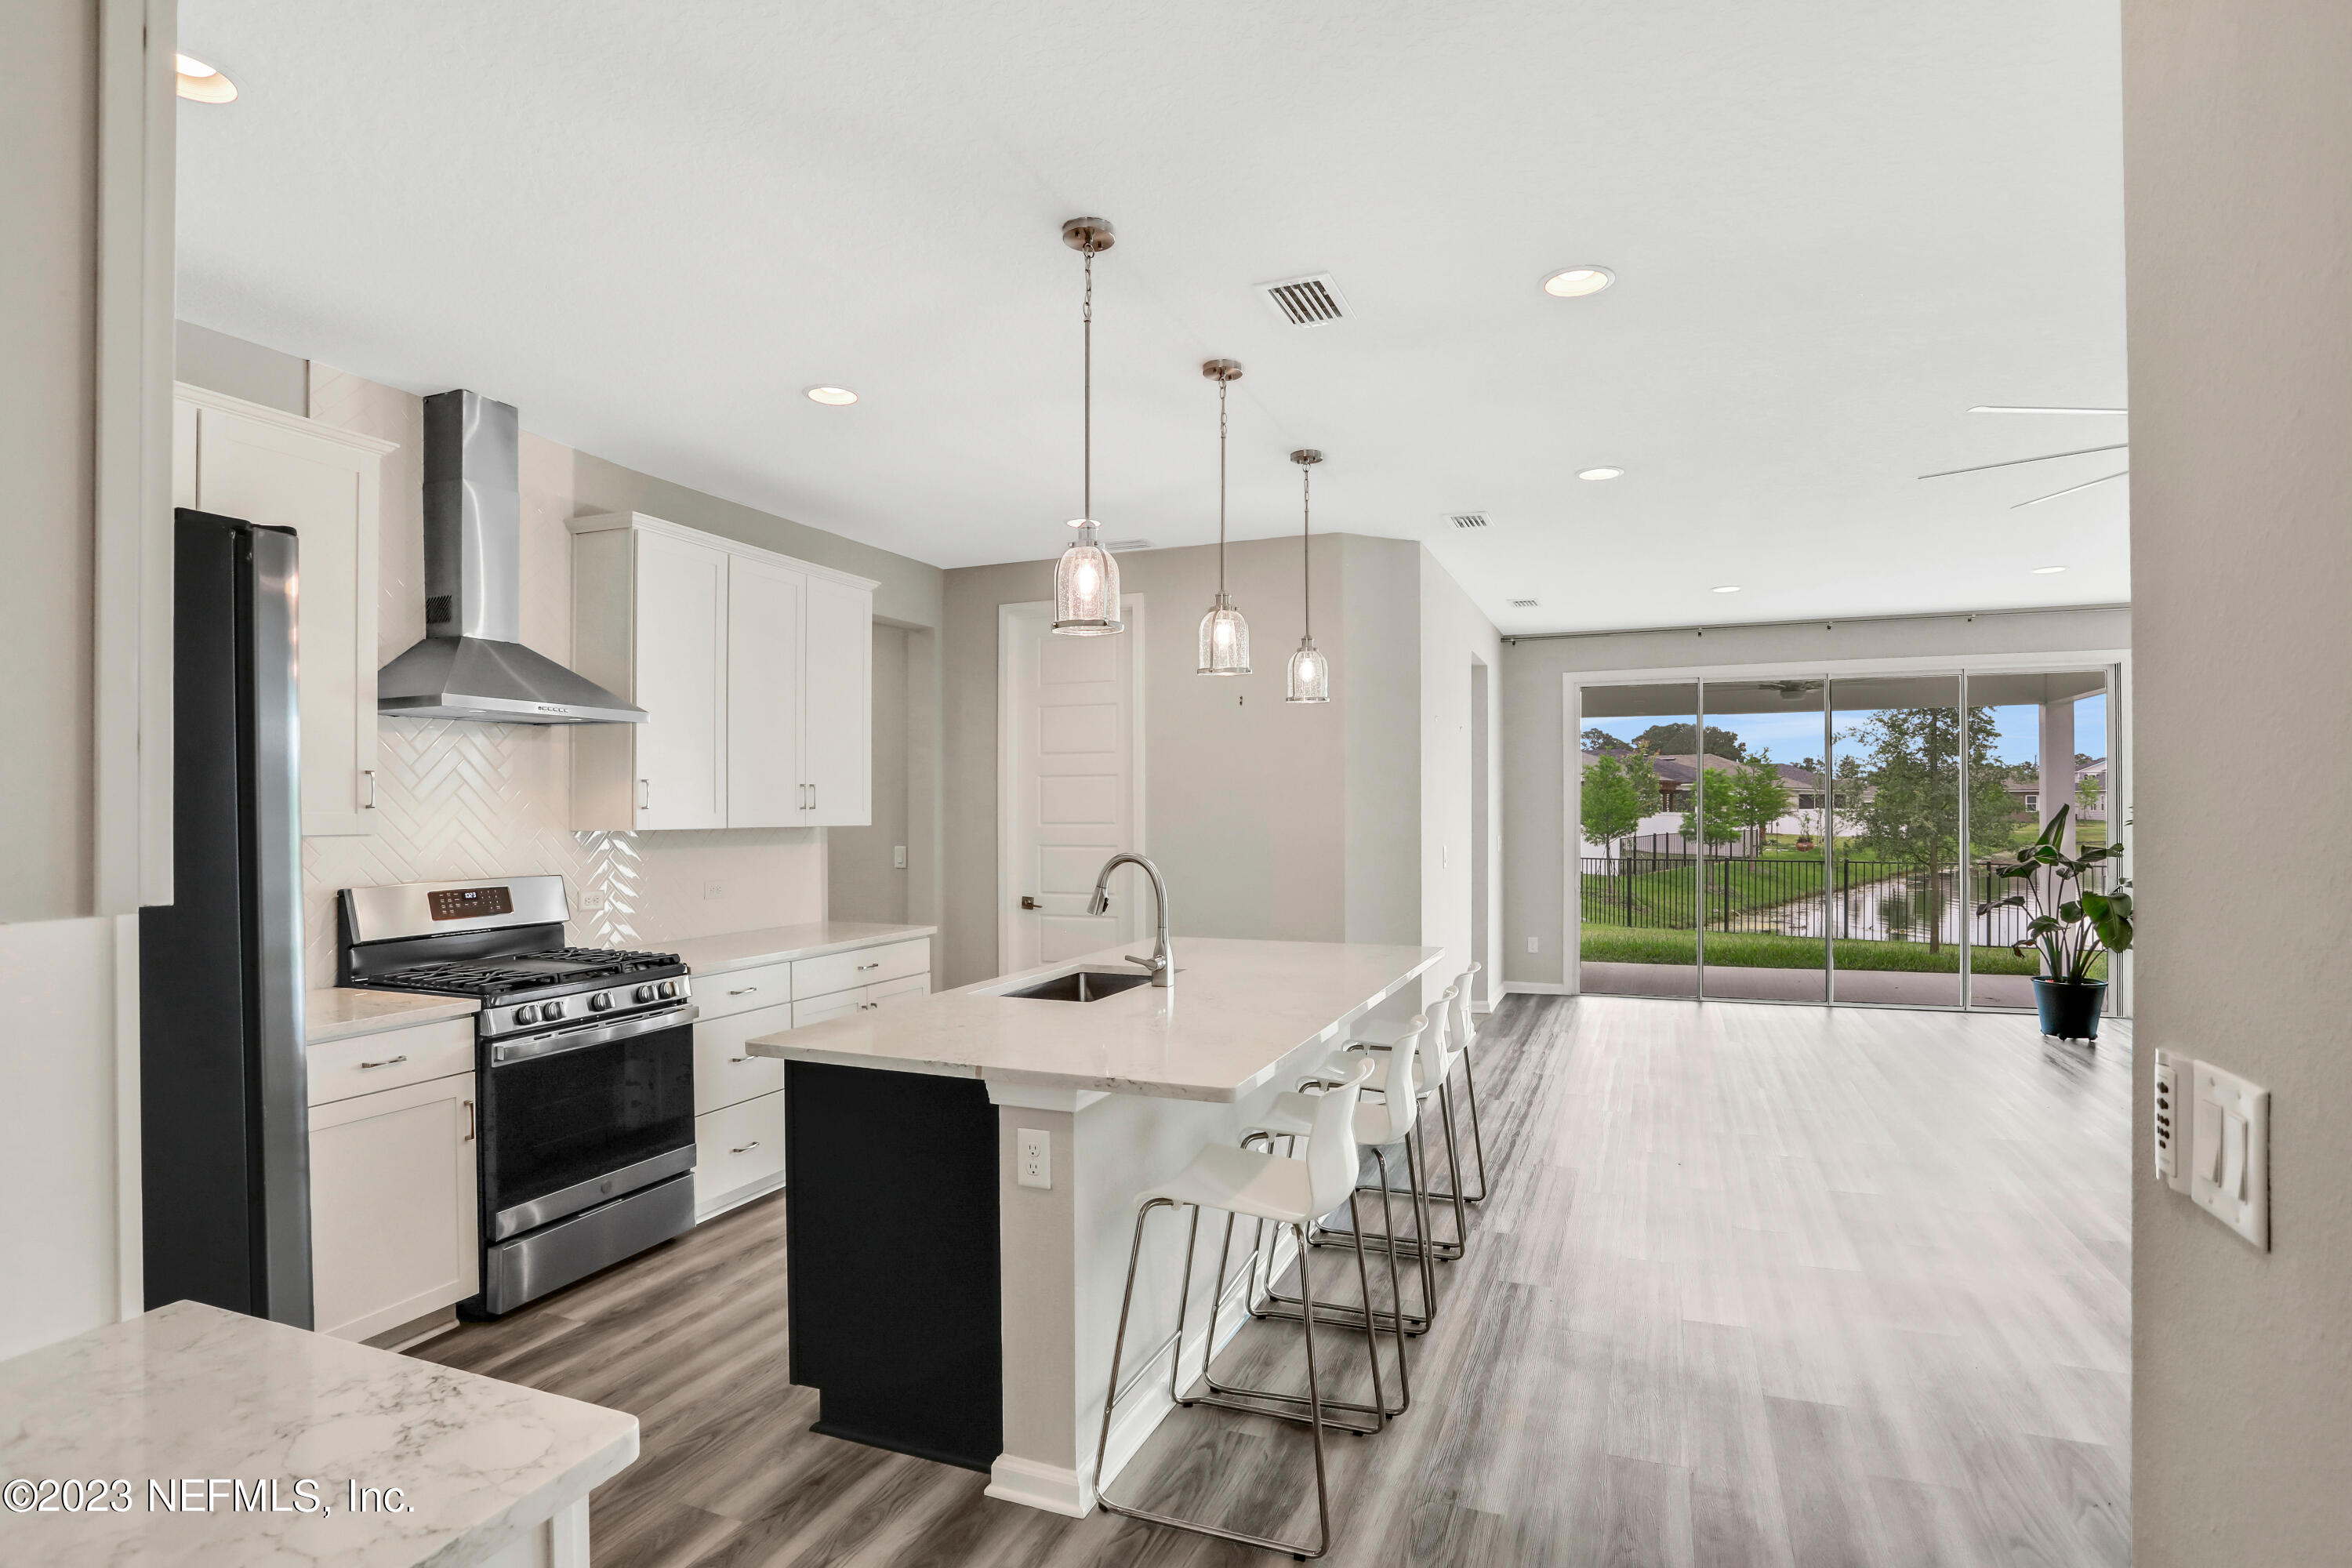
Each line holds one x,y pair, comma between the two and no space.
223,1094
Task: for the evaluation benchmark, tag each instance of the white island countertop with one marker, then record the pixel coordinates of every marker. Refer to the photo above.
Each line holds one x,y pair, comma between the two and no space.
779,944
340,1012
189,1391
1238,1008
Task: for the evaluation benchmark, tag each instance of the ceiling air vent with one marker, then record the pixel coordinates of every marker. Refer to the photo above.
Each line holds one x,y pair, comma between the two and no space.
1469,520
1122,546
1311,302
1523,603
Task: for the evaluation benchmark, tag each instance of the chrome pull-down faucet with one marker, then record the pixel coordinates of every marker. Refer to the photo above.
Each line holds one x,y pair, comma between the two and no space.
1162,964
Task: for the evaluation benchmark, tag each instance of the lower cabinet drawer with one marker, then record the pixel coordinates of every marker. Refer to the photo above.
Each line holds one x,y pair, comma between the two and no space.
738,1147
393,1058
817,1009
741,990
724,1072
860,966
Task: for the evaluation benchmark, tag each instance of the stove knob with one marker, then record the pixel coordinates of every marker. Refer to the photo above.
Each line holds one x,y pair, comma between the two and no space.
601,1002
527,1014
551,1011
644,994
669,988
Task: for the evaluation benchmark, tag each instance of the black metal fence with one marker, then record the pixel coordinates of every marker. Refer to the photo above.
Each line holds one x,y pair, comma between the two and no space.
1656,889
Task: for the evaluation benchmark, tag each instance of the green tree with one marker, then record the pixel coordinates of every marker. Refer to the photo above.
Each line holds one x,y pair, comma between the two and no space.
1715,820
1613,802
1755,796
2086,793
1907,805
1603,741
1677,739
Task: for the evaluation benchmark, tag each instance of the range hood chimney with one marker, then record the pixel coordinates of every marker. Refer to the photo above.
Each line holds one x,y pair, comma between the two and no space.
471,664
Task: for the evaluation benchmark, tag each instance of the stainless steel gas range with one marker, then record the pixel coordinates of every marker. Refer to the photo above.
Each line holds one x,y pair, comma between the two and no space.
586,1065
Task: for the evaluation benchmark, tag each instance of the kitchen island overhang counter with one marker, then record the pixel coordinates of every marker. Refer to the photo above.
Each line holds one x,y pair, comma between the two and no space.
945,1308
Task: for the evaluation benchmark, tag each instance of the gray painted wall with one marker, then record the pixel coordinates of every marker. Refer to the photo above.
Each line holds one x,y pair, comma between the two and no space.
2238,133
1534,732
864,885
241,369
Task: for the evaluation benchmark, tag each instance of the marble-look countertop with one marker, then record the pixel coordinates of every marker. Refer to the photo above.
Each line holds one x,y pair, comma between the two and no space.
189,1391
779,944
1237,1009
342,1011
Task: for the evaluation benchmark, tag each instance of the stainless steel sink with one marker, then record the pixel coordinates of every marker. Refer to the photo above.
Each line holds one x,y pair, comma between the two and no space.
1085,985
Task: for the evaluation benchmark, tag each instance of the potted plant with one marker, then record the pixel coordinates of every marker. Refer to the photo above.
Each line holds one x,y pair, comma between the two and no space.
2070,925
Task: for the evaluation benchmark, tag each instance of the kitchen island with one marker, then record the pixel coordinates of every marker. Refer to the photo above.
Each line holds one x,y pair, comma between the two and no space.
947,1307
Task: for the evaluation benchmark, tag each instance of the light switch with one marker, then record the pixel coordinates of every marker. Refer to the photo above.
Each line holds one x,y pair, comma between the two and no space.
2229,1155
1033,1157
898,857
2171,1127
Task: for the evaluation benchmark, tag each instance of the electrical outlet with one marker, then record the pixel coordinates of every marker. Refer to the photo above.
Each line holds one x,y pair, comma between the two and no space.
1033,1157
713,889
898,857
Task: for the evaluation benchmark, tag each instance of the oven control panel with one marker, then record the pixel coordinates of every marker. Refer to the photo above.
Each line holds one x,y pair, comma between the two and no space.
613,1001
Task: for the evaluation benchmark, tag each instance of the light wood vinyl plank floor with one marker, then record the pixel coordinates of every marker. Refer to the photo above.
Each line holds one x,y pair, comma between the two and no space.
1756,1286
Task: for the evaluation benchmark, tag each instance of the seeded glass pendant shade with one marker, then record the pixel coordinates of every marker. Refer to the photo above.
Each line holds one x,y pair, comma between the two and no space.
1310,673
1224,635
1086,580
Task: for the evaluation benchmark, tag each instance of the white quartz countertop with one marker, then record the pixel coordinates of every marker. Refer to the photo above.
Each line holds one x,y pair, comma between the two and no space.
342,1011
189,1391
1236,1010
778,944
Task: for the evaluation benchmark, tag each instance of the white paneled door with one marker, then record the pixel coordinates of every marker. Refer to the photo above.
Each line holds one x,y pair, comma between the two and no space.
1070,756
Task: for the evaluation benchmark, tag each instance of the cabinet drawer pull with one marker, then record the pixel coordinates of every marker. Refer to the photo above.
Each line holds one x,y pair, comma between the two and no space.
738,1058
644,795
387,1062
369,774
742,991
746,1148
876,965
469,1121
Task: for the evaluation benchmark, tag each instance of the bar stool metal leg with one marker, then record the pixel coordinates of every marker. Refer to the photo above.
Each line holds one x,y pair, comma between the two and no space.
1237,1397
1278,1305
1314,1402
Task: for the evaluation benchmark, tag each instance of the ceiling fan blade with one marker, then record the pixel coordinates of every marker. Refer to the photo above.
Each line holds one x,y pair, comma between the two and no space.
2045,457
2070,489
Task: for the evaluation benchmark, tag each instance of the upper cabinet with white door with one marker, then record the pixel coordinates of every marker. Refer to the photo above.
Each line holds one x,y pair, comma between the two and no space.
241,459
756,671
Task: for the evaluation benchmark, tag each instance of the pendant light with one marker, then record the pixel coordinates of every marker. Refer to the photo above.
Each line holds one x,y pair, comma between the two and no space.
1086,580
1311,672
1224,635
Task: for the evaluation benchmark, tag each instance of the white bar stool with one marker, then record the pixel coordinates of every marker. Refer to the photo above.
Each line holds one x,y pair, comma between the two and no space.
1434,1067
1464,1033
1377,1126
1285,1192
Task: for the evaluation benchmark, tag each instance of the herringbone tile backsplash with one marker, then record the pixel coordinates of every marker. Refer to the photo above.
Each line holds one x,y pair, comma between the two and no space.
459,801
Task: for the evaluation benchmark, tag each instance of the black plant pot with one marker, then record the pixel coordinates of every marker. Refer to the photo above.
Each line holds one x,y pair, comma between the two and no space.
2070,1009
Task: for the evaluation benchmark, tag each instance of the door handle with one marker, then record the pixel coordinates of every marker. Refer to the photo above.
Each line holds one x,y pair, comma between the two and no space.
1027,902
469,1121
369,774
644,795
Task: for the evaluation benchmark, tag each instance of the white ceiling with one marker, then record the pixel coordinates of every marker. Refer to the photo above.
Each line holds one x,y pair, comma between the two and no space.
1835,227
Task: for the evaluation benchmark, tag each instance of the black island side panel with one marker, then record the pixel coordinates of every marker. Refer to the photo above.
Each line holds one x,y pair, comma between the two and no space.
890,1201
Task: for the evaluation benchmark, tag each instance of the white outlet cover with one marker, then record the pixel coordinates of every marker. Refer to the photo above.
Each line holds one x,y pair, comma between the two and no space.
1033,1157
2228,1152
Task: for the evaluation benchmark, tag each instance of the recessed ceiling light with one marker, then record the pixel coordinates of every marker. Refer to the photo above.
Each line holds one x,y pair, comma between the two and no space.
1599,474
202,82
1729,588
2046,571
1575,282
832,396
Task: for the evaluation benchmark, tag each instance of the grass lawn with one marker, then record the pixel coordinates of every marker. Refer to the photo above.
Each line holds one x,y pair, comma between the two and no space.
1732,885
1741,950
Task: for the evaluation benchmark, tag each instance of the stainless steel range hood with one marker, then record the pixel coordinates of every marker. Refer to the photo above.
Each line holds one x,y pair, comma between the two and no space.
470,664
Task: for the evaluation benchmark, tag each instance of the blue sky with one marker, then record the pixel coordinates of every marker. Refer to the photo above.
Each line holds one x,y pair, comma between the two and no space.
1793,737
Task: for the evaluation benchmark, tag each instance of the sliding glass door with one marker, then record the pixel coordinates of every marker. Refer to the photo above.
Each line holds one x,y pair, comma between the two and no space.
1765,829
1639,873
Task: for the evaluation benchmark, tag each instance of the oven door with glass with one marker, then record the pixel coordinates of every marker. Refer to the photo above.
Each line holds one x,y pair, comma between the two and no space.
581,1116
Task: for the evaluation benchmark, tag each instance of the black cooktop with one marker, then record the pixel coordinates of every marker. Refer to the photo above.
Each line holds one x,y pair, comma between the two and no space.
560,968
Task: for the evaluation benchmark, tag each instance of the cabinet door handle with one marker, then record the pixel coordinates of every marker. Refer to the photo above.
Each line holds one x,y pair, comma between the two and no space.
876,965
469,1121
742,991
387,1062
369,774
644,795
738,1058
745,1148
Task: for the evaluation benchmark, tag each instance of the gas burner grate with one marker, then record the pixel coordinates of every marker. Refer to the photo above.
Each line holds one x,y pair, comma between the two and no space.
524,971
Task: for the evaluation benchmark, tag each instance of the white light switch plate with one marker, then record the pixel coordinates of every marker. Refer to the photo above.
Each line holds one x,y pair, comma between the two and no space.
1033,1157
2229,1152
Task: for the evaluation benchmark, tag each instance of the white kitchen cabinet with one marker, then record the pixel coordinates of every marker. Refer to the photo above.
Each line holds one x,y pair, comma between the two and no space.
725,1072
739,1155
392,1221
265,466
757,671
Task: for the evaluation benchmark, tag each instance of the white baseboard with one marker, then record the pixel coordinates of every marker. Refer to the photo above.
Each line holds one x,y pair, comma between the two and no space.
1058,1489
739,1196
1536,988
